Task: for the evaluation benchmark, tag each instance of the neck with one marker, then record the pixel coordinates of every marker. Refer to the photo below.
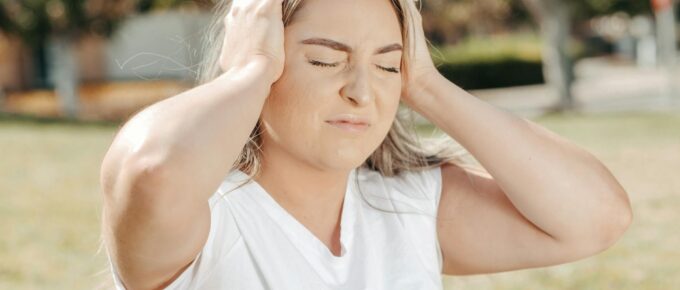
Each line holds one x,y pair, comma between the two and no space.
301,187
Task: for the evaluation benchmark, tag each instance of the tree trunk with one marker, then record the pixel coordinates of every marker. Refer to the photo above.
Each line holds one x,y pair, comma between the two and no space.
63,73
2,98
554,19
667,45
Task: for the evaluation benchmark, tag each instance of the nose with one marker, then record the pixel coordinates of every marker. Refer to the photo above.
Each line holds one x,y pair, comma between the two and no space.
358,89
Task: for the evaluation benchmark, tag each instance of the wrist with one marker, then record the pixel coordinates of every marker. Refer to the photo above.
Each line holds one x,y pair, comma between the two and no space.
420,92
265,68
258,68
254,77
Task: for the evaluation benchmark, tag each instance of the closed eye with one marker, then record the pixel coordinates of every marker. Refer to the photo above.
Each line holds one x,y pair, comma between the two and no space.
389,69
323,64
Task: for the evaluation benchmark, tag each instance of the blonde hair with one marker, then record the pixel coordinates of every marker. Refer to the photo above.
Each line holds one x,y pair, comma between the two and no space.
401,150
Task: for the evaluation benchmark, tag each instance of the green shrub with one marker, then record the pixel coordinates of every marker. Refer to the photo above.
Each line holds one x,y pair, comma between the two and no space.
492,62
497,61
493,74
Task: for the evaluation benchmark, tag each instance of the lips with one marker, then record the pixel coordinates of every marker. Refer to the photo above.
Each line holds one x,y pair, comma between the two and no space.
349,119
351,123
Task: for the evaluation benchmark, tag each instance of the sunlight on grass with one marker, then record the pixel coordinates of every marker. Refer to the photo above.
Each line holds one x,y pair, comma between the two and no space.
49,205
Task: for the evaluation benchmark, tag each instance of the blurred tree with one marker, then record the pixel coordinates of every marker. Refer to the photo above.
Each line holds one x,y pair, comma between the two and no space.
556,19
446,21
667,43
57,25
587,9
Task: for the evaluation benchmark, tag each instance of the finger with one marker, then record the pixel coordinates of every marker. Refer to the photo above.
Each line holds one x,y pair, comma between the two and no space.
237,3
246,5
271,5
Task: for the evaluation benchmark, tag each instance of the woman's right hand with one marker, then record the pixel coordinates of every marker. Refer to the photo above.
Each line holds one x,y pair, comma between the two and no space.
254,32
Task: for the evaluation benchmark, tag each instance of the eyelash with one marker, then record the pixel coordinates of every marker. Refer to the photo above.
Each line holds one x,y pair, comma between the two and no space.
323,64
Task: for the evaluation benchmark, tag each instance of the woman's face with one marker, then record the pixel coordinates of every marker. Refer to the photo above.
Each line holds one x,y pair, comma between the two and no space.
320,82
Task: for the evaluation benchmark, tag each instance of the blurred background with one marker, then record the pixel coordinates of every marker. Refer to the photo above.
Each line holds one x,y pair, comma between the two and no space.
602,73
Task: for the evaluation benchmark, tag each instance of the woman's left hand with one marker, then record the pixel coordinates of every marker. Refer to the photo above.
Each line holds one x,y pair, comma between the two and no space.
420,66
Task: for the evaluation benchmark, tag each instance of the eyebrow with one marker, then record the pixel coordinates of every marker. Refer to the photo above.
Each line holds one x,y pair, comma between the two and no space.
344,47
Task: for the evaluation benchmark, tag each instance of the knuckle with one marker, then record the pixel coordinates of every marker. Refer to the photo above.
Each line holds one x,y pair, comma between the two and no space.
235,11
261,10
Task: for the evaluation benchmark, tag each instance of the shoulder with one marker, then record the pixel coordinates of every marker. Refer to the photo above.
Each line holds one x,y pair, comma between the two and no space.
223,235
233,184
413,177
223,229
422,183
413,196
418,189
426,179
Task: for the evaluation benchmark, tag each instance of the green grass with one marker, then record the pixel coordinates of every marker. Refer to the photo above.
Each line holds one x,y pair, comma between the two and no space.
50,206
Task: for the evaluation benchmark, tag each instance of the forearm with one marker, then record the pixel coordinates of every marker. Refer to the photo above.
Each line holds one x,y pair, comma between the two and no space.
561,188
195,137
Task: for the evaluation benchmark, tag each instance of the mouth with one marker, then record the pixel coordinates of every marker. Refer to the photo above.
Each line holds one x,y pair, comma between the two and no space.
349,126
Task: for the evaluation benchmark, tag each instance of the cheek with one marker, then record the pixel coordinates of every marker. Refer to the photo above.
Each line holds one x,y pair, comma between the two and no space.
291,106
390,103
388,107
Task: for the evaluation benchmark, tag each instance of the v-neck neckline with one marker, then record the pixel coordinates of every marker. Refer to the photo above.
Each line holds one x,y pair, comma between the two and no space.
300,233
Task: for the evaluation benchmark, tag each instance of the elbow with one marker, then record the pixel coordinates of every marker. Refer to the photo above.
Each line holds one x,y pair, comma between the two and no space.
612,218
605,232
615,218
129,179
616,225
139,194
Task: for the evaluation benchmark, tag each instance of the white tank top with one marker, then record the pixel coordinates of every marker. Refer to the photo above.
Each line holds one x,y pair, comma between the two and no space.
254,243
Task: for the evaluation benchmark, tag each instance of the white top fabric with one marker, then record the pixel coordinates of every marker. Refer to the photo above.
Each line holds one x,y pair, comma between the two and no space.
254,243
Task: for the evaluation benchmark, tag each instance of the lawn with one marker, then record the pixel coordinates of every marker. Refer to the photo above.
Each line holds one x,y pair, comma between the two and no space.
50,206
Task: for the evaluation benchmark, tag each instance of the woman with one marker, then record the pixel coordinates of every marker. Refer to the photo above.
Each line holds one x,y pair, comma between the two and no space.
289,167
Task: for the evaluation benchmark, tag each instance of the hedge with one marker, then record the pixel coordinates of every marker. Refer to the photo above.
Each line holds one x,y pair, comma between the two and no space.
493,74
492,61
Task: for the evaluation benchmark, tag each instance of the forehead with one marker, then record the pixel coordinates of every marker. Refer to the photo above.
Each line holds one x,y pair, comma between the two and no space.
350,21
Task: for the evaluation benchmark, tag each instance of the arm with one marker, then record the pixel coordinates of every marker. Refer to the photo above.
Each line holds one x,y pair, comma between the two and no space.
169,159
163,166
546,201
